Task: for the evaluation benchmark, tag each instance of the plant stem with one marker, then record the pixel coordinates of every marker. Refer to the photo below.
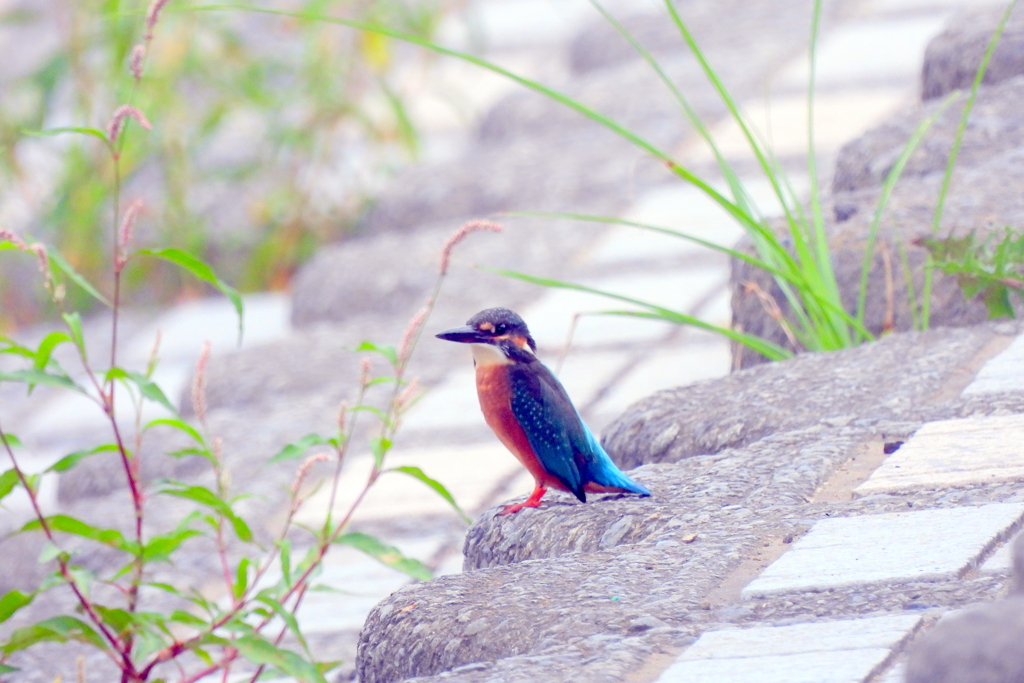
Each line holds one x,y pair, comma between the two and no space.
116,644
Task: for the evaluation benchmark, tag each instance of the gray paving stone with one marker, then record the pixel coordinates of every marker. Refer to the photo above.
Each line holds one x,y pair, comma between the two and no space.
356,584
584,374
706,357
953,452
1001,561
895,674
839,117
837,651
1005,372
684,208
884,6
551,317
470,473
870,51
186,327
451,405
899,546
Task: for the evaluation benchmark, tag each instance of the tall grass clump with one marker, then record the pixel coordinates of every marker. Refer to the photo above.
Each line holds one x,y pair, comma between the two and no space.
798,256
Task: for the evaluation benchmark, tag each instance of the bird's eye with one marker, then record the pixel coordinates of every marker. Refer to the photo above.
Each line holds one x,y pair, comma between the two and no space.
500,329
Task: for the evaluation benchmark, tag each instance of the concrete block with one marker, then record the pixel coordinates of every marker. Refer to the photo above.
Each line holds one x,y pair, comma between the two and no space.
1005,372
782,122
833,652
452,405
870,51
550,318
355,583
900,546
1001,561
953,452
470,473
706,358
686,209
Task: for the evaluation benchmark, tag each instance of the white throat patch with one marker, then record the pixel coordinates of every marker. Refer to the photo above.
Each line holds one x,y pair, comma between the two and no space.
488,354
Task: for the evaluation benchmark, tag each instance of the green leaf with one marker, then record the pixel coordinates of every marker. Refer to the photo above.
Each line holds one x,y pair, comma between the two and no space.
242,577
46,347
296,449
180,426
7,669
201,271
118,619
385,554
160,548
181,617
324,667
285,547
12,602
33,377
49,552
58,629
417,473
13,347
287,617
8,481
388,352
207,498
147,387
62,265
380,447
376,411
12,440
76,527
72,459
74,323
82,130
260,651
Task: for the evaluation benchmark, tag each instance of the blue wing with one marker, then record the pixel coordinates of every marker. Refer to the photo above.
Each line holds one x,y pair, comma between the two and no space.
565,446
543,417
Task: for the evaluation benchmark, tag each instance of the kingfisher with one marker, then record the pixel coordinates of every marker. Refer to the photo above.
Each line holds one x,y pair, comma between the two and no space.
530,412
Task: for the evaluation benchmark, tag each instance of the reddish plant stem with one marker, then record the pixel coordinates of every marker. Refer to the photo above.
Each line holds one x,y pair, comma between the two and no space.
116,643
223,552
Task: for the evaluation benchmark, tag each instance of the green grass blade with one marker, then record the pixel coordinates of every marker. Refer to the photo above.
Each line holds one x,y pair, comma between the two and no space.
739,193
654,311
883,200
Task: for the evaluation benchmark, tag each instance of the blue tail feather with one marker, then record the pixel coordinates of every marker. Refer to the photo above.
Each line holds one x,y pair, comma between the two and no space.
604,472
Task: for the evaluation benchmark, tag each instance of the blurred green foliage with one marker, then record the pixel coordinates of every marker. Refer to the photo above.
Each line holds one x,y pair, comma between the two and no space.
267,133
990,266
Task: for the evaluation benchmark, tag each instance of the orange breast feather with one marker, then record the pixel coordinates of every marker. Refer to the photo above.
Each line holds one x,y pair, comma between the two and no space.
492,388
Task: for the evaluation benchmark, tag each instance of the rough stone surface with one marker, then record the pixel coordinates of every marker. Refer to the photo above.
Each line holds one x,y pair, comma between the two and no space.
980,644
390,273
994,127
952,59
895,379
600,46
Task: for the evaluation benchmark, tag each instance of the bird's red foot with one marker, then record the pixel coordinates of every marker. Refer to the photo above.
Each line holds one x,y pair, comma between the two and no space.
532,502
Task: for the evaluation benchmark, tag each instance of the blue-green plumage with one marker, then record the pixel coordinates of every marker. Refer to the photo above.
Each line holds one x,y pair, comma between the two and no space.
561,440
531,413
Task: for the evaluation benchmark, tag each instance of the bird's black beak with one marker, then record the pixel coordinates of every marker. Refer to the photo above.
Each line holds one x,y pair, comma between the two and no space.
464,335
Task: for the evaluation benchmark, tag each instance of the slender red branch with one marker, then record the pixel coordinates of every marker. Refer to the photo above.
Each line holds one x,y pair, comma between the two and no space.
116,643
